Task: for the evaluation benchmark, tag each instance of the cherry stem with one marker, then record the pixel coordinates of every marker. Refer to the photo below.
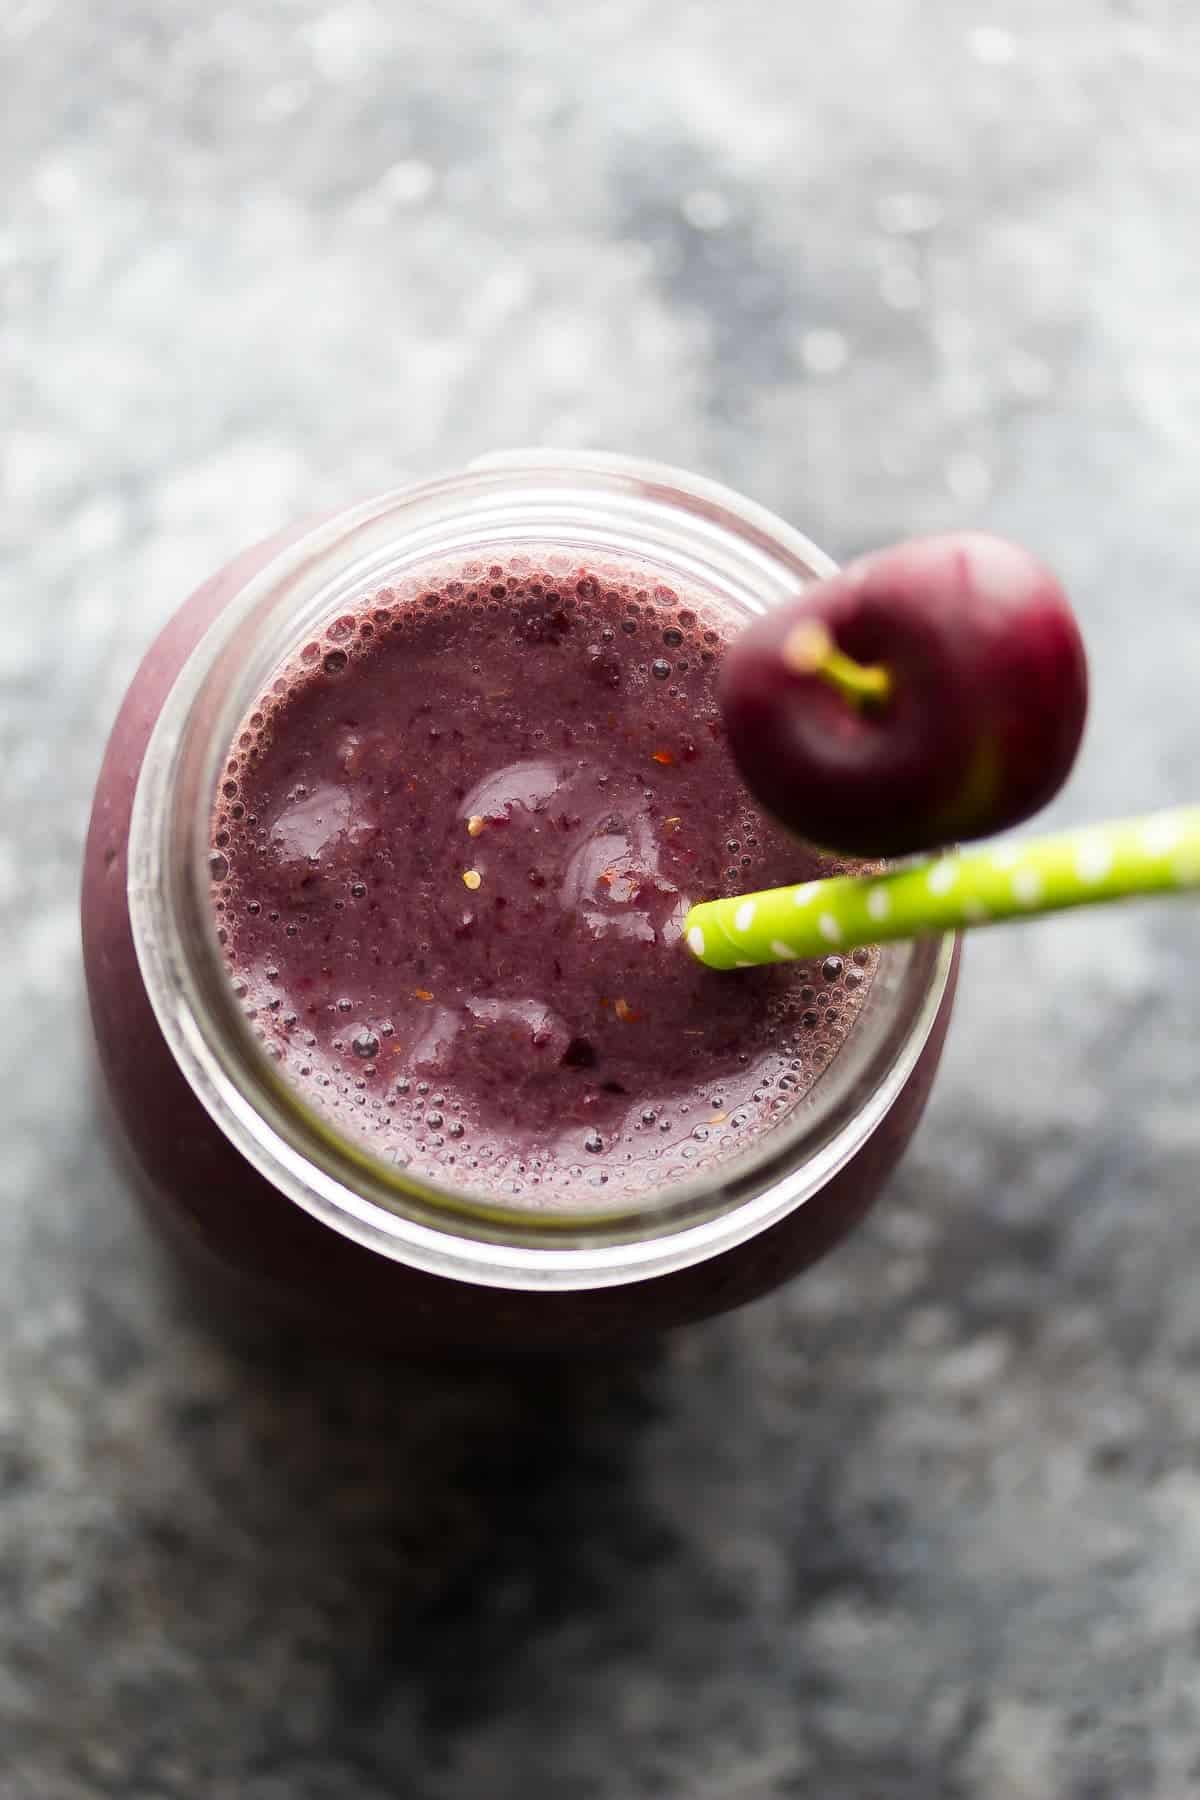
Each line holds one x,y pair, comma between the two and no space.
811,650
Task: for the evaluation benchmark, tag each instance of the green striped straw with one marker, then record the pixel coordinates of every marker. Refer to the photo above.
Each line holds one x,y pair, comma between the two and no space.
1156,854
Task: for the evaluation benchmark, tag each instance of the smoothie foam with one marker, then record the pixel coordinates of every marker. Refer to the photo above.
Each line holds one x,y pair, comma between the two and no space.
452,852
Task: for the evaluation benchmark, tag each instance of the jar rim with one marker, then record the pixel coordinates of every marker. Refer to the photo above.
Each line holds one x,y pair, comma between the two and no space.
423,1222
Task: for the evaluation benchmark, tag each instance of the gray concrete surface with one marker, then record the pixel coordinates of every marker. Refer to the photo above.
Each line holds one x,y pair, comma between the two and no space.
928,1524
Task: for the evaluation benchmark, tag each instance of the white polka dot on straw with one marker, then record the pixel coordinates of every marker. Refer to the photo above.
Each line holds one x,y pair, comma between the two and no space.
1005,857
1094,859
804,894
942,878
879,904
783,951
1027,887
743,918
974,910
1160,836
696,941
829,928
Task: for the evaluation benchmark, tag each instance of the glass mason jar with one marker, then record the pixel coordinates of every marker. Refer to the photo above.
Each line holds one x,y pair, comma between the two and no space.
269,1204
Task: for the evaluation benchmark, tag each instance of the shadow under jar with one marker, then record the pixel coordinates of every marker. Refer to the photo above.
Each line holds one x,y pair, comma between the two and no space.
306,1196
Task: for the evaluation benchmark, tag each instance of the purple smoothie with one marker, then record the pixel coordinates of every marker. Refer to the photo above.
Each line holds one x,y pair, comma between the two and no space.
453,852
257,1255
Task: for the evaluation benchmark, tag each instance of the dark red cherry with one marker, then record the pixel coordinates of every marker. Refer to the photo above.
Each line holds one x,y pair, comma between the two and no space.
927,694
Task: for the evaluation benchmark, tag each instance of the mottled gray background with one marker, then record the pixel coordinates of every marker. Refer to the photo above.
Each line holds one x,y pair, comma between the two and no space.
929,1523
